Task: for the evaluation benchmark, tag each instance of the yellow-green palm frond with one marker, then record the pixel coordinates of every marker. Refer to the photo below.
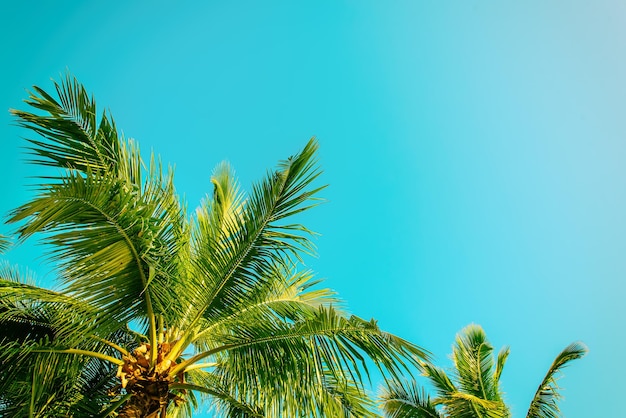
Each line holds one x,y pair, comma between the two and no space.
406,399
545,401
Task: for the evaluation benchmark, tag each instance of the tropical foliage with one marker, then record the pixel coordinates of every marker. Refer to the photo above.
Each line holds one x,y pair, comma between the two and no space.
157,310
473,388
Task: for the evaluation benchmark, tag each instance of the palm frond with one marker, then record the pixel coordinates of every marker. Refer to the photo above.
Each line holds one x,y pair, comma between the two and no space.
94,241
5,243
36,326
73,139
33,311
332,397
218,394
288,297
472,355
440,380
502,356
240,253
466,405
116,249
545,401
405,399
116,237
304,352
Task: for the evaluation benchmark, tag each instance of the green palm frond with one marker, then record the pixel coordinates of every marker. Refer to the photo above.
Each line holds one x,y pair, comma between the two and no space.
405,399
240,253
544,403
94,243
344,398
326,338
219,395
288,297
502,356
472,356
59,383
105,236
333,397
5,243
24,307
440,380
466,405
311,355
36,322
73,139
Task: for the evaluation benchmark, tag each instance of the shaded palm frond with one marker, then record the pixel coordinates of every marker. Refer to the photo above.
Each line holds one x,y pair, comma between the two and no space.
218,394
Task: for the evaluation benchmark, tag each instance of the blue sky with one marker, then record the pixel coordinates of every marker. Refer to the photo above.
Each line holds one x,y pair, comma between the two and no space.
474,150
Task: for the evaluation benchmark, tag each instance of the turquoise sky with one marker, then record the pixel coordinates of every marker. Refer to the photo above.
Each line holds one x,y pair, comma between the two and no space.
474,150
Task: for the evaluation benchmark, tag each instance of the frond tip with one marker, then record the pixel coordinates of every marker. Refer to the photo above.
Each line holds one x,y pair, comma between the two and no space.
545,401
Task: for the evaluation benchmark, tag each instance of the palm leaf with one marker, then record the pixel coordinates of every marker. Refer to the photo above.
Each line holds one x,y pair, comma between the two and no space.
241,252
73,139
5,243
474,363
309,354
502,356
544,403
405,399
289,296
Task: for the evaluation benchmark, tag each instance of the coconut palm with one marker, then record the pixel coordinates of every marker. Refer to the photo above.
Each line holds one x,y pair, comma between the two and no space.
157,310
473,389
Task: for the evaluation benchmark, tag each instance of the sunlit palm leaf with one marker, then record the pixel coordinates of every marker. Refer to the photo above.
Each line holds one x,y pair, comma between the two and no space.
241,252
73,138
472,355
284,297
440,380
405,399
303,351
544,403
502,356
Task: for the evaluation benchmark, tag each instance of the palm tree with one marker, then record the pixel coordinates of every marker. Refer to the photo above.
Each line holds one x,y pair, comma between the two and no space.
157,310
473,389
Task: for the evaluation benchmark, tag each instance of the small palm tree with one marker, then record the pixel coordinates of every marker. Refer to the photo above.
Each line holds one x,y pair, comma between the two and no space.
473,389
156,309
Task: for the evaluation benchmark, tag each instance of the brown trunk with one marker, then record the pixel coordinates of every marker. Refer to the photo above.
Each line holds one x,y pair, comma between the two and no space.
148,386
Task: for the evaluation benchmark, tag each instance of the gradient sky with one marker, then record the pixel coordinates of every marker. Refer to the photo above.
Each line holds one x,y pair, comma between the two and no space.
474,150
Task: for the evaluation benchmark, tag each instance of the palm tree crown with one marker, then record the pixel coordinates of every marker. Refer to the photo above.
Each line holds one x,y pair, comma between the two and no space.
473,388
157,309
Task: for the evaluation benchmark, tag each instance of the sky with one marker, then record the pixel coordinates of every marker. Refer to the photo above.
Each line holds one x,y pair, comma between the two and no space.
474,151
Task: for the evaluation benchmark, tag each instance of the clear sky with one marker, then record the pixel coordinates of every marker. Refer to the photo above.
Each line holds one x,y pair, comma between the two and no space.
474,150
